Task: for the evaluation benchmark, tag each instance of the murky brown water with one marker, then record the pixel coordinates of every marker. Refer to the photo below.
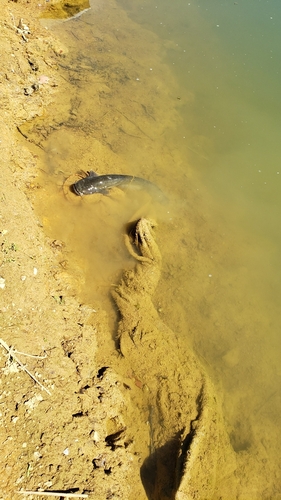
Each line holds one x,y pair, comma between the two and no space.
121,112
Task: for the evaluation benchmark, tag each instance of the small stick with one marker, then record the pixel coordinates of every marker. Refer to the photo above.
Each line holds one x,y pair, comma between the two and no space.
11,353
52,494
28,355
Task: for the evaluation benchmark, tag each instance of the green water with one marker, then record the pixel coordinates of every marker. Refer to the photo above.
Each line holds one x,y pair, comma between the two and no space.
228,55
187,95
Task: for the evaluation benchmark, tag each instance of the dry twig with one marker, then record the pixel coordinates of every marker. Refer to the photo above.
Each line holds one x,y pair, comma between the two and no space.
53,494
11,353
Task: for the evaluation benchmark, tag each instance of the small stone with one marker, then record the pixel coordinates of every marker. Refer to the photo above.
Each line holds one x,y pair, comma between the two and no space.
96,437
28,90
33,88
43,79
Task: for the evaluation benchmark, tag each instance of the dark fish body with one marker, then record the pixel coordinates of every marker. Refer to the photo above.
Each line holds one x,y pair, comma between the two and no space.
95,183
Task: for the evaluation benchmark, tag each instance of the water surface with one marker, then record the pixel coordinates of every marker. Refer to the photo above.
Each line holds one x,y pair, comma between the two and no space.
227,54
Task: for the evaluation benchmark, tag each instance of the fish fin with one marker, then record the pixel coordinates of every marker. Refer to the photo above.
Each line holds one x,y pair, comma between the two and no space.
91,173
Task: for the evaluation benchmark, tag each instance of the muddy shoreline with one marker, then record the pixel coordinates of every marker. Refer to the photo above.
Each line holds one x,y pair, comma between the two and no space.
89,426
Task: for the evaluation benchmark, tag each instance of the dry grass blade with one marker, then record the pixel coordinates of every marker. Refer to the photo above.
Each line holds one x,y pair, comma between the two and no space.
53,494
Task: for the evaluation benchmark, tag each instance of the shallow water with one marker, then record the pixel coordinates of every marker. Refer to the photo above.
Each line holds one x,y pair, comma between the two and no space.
227,55
186,96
